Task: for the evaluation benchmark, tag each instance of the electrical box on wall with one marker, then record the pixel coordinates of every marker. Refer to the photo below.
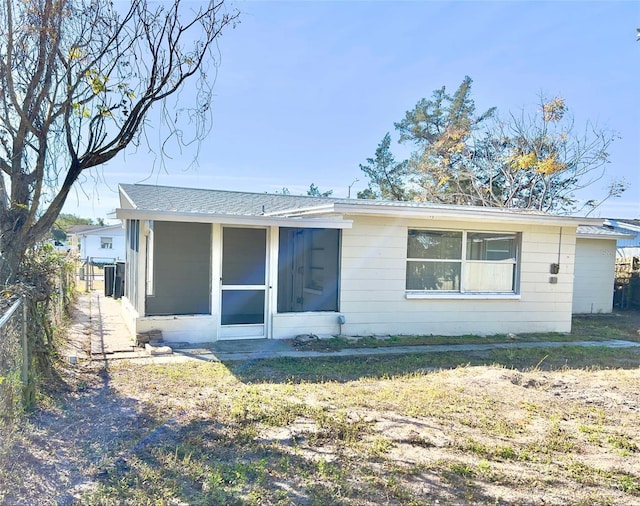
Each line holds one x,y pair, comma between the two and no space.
553,280
554,269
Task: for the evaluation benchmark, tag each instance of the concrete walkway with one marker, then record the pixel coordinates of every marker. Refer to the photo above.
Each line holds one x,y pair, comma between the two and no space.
98,320
110,333
260,349
111,340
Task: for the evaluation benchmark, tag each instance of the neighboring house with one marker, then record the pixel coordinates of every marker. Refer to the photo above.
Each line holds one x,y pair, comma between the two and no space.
100,244
594,271
73,236
629,246
204,265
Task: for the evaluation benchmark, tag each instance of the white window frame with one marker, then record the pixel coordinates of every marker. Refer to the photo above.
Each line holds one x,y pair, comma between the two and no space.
106,240
149,270
462,292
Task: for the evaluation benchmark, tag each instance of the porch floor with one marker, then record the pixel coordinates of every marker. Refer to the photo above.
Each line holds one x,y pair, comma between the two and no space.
236,349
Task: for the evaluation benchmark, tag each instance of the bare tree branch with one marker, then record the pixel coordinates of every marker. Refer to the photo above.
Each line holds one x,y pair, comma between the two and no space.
77,81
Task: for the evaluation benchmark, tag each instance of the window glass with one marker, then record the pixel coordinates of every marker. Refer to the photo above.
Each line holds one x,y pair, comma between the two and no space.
495,246
435,261
242,307
433,276
244,253
434,244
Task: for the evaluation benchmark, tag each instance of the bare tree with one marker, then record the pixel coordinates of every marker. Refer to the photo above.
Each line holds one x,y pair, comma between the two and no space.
77,81
540,162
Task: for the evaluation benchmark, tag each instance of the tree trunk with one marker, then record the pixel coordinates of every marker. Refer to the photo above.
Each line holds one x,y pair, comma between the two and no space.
13,245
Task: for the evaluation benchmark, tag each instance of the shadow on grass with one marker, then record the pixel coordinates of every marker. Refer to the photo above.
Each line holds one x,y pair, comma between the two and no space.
62,445
207,462
239,449
103,447
97,446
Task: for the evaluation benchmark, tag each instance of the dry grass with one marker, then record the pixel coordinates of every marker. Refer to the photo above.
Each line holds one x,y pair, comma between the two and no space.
550,426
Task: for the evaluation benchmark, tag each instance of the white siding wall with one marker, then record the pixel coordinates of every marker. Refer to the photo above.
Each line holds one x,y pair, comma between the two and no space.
594,276
178,329
289,325
373,284
373,297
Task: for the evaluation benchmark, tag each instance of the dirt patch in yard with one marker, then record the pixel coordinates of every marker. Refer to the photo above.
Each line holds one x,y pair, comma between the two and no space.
207,433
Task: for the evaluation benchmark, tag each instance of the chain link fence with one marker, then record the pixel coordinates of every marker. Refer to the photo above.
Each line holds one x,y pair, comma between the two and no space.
29,325
13,358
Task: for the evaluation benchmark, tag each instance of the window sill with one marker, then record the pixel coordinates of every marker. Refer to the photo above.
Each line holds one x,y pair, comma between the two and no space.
452,295
292,314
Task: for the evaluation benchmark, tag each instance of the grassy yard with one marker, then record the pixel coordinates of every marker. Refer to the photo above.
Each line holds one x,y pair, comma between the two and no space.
537,426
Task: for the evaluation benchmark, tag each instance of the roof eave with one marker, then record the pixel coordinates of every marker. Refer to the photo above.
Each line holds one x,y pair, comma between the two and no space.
96,230
232,219
471,214
611,237
323,209
90,231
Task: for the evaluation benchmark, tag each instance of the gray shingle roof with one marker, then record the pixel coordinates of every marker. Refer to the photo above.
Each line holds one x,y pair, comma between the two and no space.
76,229
194,200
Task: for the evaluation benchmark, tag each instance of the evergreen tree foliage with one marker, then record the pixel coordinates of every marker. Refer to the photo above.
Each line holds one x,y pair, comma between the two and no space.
314,191
442,130
387,177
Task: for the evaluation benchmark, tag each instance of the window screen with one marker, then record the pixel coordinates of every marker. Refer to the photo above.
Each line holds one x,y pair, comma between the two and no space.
308,269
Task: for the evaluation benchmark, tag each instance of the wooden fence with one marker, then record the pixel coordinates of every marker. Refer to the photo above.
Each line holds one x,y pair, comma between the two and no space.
627,283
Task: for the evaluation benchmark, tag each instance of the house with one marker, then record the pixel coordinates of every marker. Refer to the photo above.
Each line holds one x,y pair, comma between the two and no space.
203,265
73,236
594,271
98,244
629,245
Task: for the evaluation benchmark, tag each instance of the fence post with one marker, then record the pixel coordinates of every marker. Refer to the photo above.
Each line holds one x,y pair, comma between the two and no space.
25,348
60,296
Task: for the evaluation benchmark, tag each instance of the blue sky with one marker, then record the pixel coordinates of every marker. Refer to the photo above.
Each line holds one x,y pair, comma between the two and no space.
306,90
